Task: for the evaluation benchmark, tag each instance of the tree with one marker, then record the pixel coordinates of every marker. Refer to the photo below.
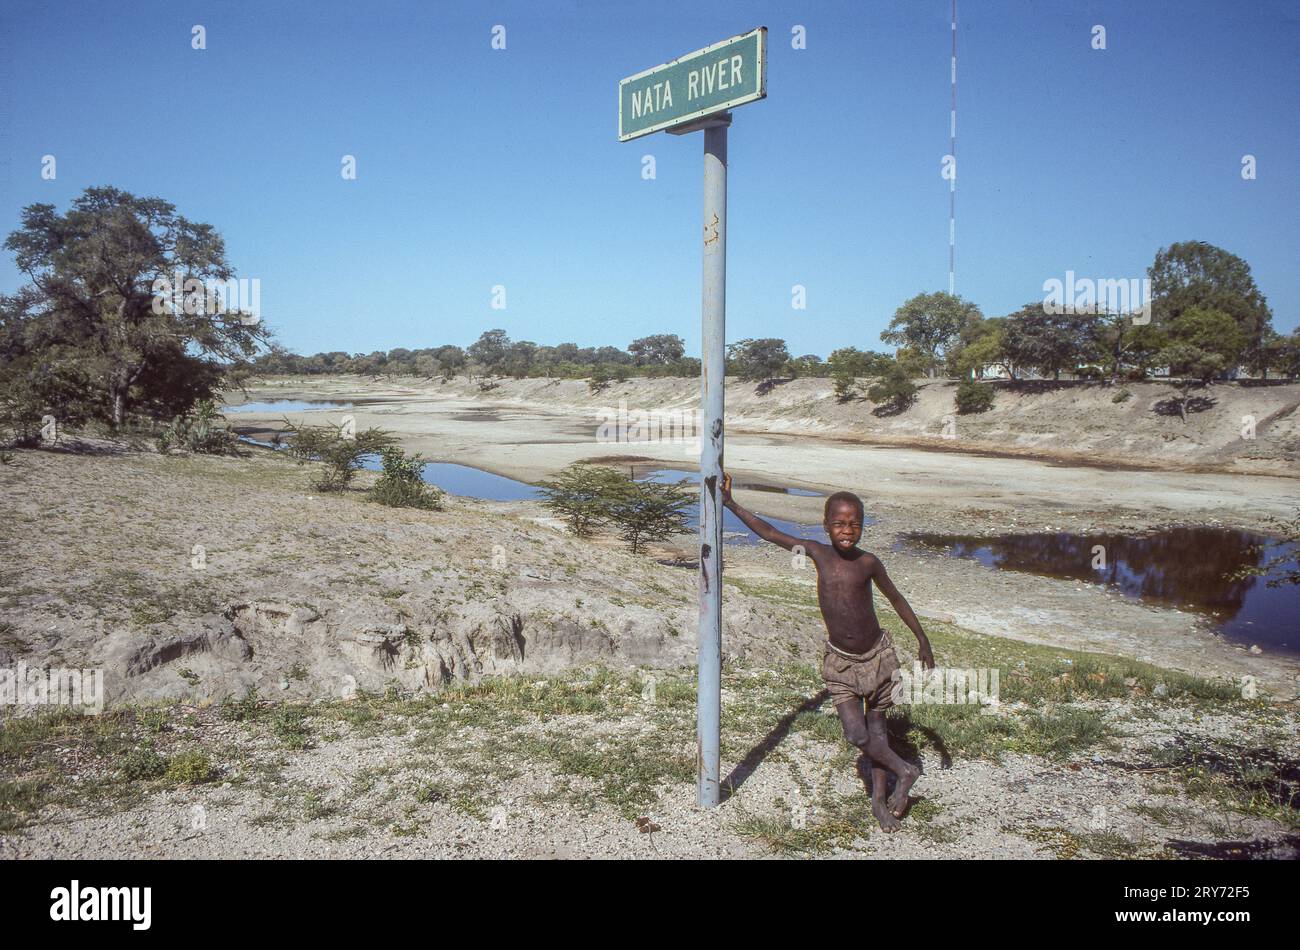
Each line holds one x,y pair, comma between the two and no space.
1050,342
490,350
856,362
973,397
649,511
450,360
929,324
810,364
1197,275
663,349
845,385
1121,342
758,360
341,453
894,391
983,345
1203,344
123,284
519,358
581,495
1288,358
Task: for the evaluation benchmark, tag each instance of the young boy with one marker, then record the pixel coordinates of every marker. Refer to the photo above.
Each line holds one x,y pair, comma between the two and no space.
859,660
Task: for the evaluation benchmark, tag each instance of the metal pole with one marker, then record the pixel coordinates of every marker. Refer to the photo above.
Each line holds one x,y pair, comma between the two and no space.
712,369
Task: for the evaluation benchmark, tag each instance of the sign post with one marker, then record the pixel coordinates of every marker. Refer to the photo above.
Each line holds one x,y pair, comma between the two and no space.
689,94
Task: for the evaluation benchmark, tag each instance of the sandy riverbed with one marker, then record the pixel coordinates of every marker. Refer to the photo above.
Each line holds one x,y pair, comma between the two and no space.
906,489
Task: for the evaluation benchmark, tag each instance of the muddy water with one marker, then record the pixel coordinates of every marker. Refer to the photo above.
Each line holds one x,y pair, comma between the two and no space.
1190,568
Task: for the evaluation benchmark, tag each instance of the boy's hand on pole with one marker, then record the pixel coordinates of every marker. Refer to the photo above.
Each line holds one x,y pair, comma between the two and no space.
726,489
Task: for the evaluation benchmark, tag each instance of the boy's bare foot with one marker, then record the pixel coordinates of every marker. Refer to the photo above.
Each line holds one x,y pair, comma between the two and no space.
887,821
898,800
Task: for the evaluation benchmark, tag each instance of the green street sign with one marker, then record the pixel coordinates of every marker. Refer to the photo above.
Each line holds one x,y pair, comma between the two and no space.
714,79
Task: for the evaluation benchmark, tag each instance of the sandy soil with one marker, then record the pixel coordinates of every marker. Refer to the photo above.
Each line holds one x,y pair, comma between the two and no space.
906,488
194,581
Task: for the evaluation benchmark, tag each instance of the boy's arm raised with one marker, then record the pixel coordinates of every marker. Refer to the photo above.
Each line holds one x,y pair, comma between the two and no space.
757,525
903,609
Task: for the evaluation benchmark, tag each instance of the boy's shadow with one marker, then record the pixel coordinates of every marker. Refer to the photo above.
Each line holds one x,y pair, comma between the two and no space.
898,726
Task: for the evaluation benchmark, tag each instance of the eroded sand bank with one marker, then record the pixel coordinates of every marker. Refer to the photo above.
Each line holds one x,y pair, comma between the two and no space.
905,488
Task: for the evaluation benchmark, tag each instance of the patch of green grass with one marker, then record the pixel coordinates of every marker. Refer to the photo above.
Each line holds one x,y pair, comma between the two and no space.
289,725
836,822
922,819
1062,843
17,800
142,764
342,834
1250,780
189,768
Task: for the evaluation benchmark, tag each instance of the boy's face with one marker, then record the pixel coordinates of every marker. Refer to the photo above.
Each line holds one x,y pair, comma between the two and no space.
844,525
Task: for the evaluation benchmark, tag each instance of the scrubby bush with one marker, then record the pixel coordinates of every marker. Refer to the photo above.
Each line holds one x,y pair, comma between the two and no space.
198,431
588,496
973,397
142,763
402,484
845,385
649,511
1122,396
580,494
894,391
339,450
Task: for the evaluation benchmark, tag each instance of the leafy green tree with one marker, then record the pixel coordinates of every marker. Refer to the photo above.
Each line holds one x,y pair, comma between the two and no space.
1203,344
1121,342
1051,342
810,364
450,359
912,362
1288,356
96,274
649,511
341,452
983,345
582,495
757,360
856,362
1197,275
845,385
490,350
929,324
661,349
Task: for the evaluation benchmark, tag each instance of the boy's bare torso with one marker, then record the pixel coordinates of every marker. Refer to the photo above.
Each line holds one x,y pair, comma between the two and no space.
844,595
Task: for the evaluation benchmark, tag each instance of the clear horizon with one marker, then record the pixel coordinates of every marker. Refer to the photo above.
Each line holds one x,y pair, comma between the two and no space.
479,167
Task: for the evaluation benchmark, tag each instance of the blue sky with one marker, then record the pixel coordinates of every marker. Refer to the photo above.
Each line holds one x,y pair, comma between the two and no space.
478,167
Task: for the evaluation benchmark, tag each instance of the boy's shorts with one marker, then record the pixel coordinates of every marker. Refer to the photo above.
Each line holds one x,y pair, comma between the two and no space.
866,676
